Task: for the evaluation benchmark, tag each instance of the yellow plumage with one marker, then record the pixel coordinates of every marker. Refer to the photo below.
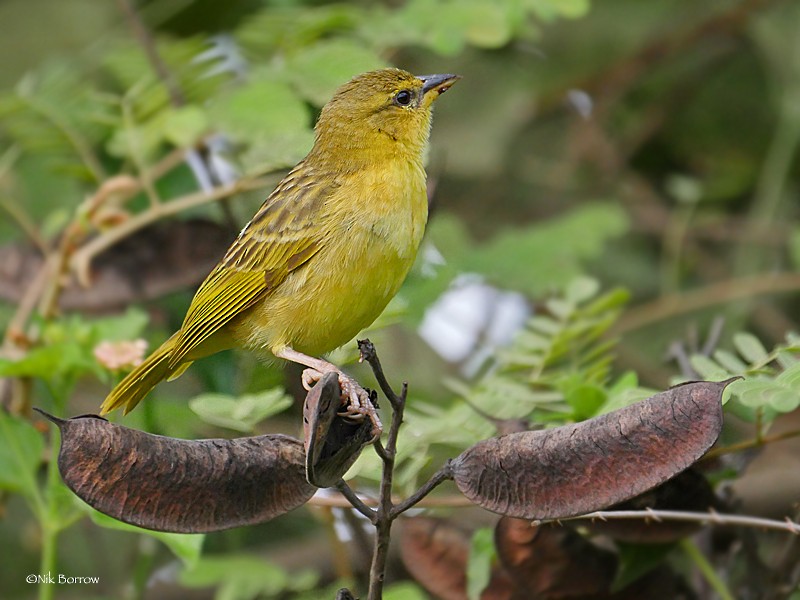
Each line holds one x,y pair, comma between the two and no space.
330,246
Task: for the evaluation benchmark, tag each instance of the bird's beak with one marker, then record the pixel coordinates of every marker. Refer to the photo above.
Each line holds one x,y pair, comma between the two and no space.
437,83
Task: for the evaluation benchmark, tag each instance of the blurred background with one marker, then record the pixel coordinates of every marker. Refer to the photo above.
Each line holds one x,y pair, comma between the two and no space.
614,204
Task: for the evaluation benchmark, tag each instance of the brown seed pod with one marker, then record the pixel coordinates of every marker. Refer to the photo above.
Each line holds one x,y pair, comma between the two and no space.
182,486
544,559
435,552
576,469
332,442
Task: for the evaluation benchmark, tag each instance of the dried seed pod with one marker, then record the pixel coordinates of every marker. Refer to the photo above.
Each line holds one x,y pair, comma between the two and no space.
332,442
544,559
183,486
435,552
575,469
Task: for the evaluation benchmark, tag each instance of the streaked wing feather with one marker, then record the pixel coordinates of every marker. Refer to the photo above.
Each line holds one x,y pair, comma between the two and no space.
283,235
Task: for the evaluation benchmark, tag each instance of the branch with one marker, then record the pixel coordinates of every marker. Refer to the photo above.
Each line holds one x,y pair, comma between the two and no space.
148,45
370,355
354,501
385,514
443,474
681,303
442,501
82,258
706,518
753,443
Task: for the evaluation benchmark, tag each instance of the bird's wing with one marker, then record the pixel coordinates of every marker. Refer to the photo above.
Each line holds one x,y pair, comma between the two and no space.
283,235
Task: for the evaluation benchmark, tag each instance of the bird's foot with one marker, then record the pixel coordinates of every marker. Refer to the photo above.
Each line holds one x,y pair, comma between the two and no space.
358,404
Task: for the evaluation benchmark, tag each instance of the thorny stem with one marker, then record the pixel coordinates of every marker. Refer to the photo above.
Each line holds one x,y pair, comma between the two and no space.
704,518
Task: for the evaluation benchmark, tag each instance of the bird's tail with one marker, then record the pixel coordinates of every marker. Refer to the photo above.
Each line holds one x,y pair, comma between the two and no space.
138,383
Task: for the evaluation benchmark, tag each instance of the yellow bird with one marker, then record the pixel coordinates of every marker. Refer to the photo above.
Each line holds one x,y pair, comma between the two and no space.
327,250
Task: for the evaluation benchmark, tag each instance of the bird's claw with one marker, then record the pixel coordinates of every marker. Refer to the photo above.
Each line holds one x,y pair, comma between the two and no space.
358,404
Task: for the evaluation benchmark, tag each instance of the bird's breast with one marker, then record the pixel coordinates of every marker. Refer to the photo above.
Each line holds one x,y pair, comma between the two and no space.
373,228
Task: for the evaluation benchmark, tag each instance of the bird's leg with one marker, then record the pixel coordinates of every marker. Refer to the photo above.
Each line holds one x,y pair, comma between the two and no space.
359,404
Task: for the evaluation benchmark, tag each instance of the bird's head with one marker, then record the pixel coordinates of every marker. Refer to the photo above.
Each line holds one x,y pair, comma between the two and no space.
384,113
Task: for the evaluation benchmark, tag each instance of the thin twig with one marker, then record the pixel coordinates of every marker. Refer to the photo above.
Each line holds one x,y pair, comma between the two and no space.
377,445
443,474
76,139
383,523
177,98
674,305
753,443
443,501
15,331
13,209
82,258
386,511
354,501
147,42
133,140
705,518
369,355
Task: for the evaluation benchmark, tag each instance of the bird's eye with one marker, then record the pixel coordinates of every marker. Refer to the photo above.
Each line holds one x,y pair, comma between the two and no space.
403,98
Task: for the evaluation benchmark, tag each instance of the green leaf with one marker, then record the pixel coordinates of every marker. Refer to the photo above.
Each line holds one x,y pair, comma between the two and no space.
786,359
627,381
750,347
285,28
67,346
794,247
65,507
317,71
186,546
781,394
636,560
548,10
404,591
535,259
267,116
127,326
581,290
625,397
479,565
21,447
185,125
707,368
440,30
730,361
40,362
243,577
485,24
240,413
264,107
585,400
